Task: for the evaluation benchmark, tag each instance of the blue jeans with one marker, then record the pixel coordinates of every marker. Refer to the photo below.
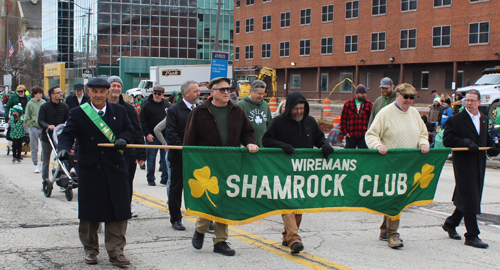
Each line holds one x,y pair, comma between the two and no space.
151,160
169,175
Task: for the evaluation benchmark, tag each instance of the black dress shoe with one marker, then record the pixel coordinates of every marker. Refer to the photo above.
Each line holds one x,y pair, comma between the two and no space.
163,183
90,259
119,260
178,226
284,243
476,242
224,249
197,241
151,183
297,247
452,233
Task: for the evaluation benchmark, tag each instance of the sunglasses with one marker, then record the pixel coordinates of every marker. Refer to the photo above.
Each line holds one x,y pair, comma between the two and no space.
157,93
408,97
224,89
21,91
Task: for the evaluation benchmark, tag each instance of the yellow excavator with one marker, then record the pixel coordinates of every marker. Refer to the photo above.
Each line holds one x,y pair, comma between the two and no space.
245,85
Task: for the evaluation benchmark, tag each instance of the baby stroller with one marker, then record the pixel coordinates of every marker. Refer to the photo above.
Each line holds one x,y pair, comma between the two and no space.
60,173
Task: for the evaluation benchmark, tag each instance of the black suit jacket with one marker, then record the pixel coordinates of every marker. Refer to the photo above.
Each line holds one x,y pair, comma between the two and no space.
177,117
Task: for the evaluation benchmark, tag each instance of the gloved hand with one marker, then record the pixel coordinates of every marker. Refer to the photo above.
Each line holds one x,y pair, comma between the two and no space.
63,154
327,150
288,149
120,144
494,151
473,148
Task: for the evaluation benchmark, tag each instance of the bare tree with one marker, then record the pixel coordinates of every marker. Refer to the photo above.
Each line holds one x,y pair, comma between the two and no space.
17,65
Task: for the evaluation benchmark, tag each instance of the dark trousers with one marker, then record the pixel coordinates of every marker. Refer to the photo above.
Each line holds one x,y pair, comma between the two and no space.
470,221
175,194
132,166
114,237
17,147
356,142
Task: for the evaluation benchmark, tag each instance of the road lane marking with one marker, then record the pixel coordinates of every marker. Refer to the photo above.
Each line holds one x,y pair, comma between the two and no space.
271,246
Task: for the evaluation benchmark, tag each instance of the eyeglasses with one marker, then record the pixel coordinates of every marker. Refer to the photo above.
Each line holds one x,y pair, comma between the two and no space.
224,89
469,100
157,93
408,97
60,92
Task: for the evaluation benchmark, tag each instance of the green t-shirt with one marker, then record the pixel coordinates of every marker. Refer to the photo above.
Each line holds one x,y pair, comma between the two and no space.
222,119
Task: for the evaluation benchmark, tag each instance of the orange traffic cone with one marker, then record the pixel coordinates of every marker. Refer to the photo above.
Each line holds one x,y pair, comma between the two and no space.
273,104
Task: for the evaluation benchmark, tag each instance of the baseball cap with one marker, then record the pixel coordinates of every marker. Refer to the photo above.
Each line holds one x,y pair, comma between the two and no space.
406,89
158,88
386,82
218,79
361,89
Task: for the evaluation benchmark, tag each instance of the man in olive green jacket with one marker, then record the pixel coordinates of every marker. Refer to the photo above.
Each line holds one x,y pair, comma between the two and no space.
388,96
31,120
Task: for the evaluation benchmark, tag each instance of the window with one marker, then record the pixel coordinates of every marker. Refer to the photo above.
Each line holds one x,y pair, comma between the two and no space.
237,3
295,81
479,33
449,79
266,22
324,81
327,45
407,5
378,41
367,84
351,9
249,25
408,39
441,3
266,1
249,52
305,47
379,7
285,19
327,13
305,16
266,51
236,53
351,43
441,36
285,49
346,85
250,2
237,27
477,1
421,79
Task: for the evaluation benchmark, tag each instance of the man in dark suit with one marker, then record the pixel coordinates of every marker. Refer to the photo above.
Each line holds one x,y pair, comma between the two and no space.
177,117
77,98
468,129
103,187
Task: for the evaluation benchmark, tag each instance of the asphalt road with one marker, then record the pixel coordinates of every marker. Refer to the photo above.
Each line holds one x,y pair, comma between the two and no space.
42,233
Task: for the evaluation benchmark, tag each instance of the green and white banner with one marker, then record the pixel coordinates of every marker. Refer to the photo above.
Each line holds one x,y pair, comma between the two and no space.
232,186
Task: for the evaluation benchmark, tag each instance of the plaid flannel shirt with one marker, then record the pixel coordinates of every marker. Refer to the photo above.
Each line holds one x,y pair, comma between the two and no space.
353,122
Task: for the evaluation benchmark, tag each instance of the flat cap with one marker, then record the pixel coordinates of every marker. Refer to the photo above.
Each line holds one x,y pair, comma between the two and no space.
78,86
406,89
98,82
20,87
218,79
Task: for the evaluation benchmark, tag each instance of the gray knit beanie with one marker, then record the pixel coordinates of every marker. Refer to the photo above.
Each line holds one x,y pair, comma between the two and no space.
115,79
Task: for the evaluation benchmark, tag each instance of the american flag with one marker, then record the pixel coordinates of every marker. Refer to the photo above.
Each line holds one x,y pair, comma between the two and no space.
11,50
21,41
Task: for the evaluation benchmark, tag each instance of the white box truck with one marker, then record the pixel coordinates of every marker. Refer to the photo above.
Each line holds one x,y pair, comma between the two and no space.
172,77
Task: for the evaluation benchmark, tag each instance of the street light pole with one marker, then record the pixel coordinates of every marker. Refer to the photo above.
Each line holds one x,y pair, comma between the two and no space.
88,30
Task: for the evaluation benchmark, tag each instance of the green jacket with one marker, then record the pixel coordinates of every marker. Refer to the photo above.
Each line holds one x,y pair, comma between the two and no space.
13,101
380,103
259,115
32,109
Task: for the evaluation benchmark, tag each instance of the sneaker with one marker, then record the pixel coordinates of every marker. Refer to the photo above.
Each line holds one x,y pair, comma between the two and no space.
383,237
296,247
133,212
36,169
395,242
19,160
13,160
224,249
72,171
143,167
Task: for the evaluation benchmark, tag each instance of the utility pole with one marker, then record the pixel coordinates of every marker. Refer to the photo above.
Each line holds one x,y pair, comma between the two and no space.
217,23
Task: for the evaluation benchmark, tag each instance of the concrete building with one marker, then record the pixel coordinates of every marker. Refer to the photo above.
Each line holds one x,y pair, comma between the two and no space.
126,37
316,45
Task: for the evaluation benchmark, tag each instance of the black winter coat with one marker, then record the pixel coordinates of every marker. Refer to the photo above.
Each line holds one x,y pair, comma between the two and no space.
52,114
469,167
284,131
72,100
139,136
152,113
103,187
177,117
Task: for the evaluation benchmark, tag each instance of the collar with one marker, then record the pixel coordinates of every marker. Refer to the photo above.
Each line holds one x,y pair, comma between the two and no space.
473,116
97,110
189,105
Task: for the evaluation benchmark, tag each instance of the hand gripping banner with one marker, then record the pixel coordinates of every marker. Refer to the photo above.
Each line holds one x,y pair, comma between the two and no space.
232,186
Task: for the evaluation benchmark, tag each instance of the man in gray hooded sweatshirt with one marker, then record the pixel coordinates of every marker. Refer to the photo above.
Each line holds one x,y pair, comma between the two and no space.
257,109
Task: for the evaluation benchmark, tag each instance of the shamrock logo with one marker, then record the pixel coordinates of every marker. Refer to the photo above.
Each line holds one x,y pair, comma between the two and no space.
424,178
203,183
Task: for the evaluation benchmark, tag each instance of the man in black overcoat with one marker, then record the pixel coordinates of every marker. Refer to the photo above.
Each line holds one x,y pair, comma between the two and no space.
468,129
103,187
78,97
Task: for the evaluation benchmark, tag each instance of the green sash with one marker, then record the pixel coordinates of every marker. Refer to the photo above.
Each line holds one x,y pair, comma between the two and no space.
97,120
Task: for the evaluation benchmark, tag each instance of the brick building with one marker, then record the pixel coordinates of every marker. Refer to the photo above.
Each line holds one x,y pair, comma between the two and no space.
315,45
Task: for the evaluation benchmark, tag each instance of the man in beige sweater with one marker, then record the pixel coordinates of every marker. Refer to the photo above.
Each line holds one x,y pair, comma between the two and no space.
397,125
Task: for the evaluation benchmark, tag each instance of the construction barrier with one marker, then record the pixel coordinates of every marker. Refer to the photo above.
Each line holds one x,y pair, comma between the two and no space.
327,110
273,104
